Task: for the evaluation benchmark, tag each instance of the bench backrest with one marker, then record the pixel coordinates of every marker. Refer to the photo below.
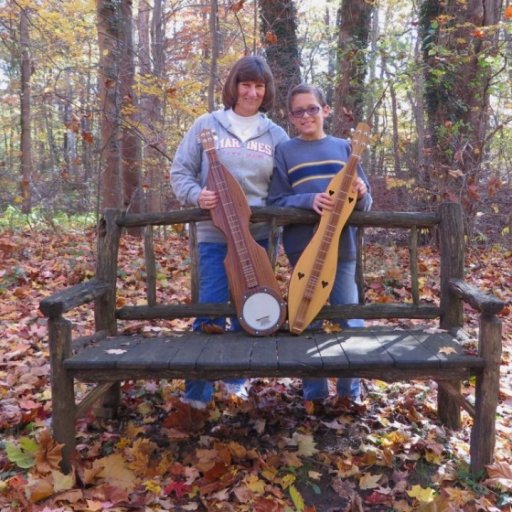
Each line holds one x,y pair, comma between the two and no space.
447,223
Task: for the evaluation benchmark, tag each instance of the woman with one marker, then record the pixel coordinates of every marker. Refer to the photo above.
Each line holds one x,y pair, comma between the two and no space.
245,141
304,167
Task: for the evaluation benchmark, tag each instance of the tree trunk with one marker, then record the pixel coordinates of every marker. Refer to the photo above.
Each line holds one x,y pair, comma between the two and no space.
456,43
52,160
214,34
131,147
370,157
87,138
151,30
397,166
331,67
72,124
108,23
419,110
25,120
354,30
279,28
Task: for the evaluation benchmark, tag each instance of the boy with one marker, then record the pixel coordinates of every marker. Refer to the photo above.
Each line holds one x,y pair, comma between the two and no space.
304,167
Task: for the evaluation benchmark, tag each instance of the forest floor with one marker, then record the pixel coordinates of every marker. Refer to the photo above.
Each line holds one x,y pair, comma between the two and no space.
267,454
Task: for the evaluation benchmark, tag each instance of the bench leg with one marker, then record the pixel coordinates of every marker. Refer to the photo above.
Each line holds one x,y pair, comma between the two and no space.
483,434
108,406
448,409
63,392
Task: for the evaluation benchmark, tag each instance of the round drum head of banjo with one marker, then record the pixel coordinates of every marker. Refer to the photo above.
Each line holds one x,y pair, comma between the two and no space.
262,313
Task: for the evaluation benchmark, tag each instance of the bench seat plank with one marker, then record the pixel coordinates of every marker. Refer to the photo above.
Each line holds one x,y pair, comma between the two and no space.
422,348
329,349
298,352
363,349
445,347
406,350
264,354
232,351
153,353
370,353
103,354
189,350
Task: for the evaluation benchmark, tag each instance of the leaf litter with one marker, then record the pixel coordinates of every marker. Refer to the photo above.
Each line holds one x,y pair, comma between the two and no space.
268,453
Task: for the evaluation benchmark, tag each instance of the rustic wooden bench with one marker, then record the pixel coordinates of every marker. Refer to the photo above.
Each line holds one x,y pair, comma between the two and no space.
107,358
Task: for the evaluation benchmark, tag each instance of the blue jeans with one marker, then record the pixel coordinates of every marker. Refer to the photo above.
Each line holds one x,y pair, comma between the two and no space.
344,291
213,287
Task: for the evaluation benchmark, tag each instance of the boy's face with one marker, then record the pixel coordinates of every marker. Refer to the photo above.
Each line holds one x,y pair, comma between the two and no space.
307,116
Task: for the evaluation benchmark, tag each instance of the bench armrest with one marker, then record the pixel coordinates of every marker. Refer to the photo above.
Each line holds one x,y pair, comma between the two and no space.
486,303
58,303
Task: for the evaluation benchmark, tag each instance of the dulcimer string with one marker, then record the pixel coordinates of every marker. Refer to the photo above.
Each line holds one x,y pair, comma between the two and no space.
305,300
231,216
252,282
327,239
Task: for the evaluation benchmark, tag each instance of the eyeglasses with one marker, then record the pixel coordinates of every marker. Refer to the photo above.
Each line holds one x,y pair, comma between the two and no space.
310,111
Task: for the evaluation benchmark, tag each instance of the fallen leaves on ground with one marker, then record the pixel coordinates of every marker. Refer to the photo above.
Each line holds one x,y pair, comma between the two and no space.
269,454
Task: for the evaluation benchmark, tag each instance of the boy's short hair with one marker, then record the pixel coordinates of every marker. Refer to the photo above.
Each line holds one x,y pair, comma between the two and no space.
249,69
306,89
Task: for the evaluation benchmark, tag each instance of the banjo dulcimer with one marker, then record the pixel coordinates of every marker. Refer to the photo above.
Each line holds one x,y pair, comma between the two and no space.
260,307
313,275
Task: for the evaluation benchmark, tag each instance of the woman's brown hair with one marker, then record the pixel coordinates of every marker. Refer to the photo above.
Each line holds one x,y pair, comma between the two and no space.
249,69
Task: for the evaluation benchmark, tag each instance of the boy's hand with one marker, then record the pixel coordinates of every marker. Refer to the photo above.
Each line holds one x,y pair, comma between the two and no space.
360,188
321,202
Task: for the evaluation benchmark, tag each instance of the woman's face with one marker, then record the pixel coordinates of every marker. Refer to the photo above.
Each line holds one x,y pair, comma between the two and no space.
307,115
250,96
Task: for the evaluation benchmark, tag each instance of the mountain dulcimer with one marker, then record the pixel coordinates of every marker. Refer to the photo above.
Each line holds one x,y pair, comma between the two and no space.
260,307
313,276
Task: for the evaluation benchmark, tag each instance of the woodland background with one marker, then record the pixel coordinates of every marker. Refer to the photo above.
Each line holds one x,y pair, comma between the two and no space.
95,97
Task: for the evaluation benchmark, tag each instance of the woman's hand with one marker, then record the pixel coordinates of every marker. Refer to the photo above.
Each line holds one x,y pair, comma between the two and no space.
207,199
